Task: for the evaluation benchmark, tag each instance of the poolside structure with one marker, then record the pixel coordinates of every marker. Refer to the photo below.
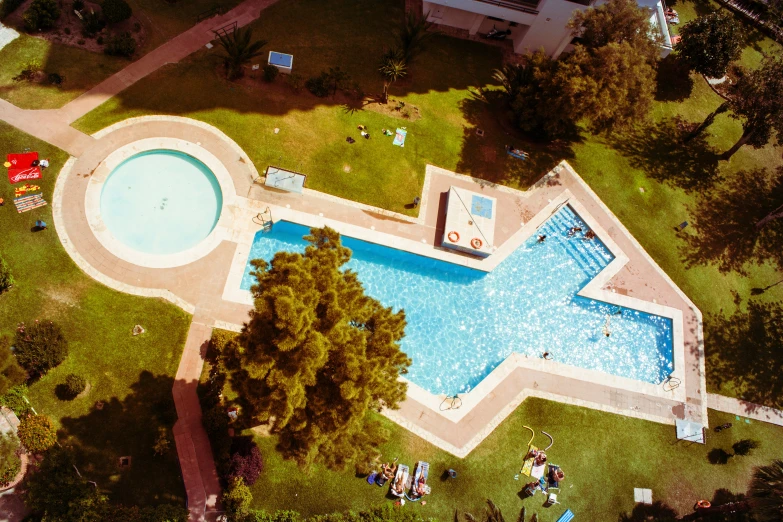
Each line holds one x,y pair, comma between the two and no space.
470,222
284,62
286,180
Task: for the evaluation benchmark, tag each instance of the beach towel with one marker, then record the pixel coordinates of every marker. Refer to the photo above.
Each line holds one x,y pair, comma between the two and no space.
22,160
15,175
538,471
26,203
24,189
527,465
399,138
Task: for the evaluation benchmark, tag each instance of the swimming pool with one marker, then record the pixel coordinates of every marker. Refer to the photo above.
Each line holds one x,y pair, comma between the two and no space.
462,323
161,202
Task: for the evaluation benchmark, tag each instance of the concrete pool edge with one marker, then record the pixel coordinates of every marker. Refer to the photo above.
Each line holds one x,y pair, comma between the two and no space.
92,203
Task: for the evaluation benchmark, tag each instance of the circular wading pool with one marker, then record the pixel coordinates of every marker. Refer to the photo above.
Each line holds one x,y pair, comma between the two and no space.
161,202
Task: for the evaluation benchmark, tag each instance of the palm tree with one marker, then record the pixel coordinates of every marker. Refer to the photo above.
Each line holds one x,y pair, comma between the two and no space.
766,492
392,68
238,50
512,77
413,35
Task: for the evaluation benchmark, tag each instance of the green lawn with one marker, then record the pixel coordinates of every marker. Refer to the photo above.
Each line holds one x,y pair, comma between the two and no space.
133,376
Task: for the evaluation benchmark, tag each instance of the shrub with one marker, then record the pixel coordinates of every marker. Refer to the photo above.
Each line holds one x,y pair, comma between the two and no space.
99,40
37,433
9,6
6,279
246,464
319,85
92,24
237,499
67,30
116,11
14,399
11,374
121,45
77,5
162,443
9,460
42,14
270,72
136,27
40,347
295,81
75,384
80,41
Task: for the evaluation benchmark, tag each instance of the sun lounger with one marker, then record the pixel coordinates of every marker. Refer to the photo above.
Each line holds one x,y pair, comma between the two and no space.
399,137
400,481
420,474
537,471
527,464
568,516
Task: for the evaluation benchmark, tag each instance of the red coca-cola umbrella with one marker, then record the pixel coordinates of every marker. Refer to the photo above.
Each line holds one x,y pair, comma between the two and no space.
21,167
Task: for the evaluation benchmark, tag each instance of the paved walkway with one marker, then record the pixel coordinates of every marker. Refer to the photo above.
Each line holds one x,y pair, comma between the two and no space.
745,409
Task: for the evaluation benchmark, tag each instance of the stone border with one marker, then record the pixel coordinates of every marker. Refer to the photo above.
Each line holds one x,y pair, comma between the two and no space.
92,203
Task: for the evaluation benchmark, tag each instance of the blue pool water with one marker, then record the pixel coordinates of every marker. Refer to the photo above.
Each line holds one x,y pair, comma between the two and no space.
463,323
161,202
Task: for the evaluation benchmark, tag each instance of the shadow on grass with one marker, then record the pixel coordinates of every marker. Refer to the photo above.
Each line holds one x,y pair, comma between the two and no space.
657,511
746,349
729,217
657,149
673,80
484,156
718,456
129,427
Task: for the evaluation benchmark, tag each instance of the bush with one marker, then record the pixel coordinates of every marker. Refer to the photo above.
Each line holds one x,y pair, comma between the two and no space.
270,72
136,27
14,399
6,279
121,45
319,85
246,464
99,40
162,443
67,30
42,14
9,460
295,81
75,384
11,374
37,433
116,11
77,5
40,347
237,499
80,41
92,24
9,6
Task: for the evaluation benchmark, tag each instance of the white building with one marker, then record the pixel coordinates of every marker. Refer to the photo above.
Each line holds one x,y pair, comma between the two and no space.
534,24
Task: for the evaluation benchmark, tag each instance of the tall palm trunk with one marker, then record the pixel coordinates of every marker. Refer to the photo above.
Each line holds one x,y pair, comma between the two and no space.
742,141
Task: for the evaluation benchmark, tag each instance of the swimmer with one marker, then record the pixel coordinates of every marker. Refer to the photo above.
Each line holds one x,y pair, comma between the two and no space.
547,356
542,238
574,230
589,234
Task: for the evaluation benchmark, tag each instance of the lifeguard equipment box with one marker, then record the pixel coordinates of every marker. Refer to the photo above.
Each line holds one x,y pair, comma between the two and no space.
470,222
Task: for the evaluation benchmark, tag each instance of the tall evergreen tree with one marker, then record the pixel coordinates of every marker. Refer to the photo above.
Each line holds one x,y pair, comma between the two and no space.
710,43
617,21
318,354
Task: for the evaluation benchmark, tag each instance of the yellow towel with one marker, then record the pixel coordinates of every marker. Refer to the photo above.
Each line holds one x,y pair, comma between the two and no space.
527,464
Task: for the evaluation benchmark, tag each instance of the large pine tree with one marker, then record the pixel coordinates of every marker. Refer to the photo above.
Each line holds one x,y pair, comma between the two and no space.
318,354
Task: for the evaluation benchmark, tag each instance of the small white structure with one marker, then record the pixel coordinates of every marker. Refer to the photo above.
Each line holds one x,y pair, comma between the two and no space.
284,62
470,222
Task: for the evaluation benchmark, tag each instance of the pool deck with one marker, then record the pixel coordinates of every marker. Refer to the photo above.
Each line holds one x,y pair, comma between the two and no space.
207,287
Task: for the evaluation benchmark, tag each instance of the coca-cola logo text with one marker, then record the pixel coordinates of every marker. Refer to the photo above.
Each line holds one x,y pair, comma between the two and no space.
27,174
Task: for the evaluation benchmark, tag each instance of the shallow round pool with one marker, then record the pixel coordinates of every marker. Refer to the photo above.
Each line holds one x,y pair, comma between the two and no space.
161,202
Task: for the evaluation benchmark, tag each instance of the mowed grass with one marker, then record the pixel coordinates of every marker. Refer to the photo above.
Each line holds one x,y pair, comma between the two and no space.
132,376
604,456
80,69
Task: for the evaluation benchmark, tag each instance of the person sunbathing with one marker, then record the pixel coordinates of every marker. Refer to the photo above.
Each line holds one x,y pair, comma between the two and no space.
421,487
398,485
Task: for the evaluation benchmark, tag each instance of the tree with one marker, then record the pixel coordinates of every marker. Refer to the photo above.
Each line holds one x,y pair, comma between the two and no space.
616,21
9,460
57,492
122,44
318,354
37,433
6,279
710,43
413,35
236,499
766,492
41,15
246,464
116,11
11,373
40,346
239,50
513,77
755,99
392,68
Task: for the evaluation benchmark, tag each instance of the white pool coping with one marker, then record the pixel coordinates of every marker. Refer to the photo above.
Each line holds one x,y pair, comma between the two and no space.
92,203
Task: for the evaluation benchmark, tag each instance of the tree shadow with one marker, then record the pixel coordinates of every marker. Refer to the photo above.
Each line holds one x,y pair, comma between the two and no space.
657,511
726,218
673,80
129,427
483,154
718,456
657,149
746,349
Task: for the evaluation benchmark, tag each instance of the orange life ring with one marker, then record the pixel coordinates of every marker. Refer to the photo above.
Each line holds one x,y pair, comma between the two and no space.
453,236
476,243
703,504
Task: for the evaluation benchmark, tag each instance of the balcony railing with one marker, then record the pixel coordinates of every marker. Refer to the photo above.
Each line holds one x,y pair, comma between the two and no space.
525,7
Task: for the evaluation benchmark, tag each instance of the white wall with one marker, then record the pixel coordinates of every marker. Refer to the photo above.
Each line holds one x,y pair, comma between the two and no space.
549,30
485,9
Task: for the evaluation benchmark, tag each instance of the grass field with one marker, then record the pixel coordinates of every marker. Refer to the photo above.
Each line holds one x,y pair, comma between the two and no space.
132,376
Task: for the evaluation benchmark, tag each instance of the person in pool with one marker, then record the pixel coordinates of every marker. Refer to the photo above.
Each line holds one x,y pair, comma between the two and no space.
542,238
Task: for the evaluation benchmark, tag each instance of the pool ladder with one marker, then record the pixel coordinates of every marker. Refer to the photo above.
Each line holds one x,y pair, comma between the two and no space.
264,219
